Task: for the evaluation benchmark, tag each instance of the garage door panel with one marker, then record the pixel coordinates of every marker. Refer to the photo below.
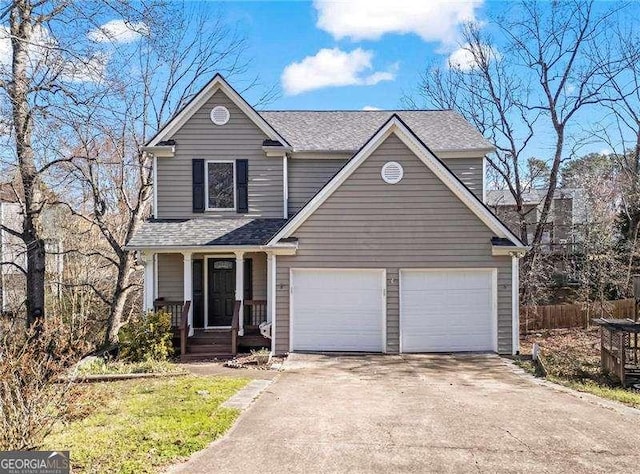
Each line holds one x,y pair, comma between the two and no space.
337,310
447,311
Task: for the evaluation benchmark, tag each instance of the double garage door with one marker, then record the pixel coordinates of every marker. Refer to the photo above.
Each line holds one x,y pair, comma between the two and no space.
439,310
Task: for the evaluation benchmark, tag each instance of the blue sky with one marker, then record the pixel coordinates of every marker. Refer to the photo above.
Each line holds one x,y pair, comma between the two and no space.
282,33
328,54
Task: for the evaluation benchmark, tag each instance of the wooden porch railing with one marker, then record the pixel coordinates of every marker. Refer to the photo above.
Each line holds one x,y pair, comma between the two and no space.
255,313
235,326
175,308
184,327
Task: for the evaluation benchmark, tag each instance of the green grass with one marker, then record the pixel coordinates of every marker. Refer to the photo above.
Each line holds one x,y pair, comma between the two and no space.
139,426
616,393
101,367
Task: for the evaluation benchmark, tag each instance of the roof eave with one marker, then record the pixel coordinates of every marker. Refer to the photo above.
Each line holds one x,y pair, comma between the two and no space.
161,151
283,248
509,250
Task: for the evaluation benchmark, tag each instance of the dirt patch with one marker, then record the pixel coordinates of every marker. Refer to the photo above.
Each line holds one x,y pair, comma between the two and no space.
254,361
572,354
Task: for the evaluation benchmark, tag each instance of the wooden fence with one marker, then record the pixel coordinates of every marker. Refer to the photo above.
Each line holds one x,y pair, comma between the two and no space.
556,316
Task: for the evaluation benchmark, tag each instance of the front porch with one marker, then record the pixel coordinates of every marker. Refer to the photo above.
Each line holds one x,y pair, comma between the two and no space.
217,301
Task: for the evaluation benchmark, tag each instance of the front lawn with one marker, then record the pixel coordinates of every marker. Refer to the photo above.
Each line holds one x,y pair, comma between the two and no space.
140,426
572,359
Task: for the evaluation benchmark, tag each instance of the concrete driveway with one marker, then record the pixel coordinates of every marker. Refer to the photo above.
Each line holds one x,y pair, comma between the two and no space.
422,414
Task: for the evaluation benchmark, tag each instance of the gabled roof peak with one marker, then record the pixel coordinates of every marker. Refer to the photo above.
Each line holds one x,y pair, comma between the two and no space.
218,82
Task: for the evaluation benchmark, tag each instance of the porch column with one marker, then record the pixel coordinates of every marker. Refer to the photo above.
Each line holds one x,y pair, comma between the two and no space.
271,298
240,289
149,281
270,281
187,291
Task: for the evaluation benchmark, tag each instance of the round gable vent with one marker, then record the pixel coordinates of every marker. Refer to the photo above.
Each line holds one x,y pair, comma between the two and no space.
219,115
392,172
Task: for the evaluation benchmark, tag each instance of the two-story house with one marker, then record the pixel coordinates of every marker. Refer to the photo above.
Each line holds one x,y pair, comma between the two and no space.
334,230
13,259
567,215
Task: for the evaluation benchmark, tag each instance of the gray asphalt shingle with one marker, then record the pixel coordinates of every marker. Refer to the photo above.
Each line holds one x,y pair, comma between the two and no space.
205,231
440,130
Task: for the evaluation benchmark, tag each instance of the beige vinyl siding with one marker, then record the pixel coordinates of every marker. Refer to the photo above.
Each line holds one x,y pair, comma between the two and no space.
259,277
307,177
240,138
170,276
469,171
417,223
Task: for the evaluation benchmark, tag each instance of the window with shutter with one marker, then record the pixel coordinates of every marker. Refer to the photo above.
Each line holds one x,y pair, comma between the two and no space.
221,185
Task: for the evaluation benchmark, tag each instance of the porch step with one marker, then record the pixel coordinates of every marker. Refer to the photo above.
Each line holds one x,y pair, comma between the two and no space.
209,348
199,341
190,357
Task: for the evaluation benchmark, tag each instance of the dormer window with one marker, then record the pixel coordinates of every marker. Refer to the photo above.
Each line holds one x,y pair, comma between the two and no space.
221,185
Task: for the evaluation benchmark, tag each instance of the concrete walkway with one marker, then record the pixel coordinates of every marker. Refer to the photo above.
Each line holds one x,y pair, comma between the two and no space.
421,414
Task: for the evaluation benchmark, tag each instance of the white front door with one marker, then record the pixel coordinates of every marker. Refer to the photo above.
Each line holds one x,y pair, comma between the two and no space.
338,310
448,310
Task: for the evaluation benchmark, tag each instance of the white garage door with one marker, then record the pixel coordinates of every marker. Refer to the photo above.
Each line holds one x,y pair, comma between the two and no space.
337,310
447,311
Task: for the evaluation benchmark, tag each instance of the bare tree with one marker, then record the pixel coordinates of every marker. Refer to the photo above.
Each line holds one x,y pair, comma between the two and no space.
530,82
491,94
554,42
621,130
104,164
52,68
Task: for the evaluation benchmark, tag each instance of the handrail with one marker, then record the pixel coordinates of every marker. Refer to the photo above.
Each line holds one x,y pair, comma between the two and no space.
184,327
235,326
257,312
172,307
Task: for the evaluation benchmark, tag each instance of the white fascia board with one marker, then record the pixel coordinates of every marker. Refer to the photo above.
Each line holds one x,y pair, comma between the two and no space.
466,153
163,151
279,249
218,83
506,250
395,125
442,154
276,151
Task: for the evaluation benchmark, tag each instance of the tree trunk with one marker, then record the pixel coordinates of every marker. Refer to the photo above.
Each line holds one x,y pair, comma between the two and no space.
21,36
553,181
120,294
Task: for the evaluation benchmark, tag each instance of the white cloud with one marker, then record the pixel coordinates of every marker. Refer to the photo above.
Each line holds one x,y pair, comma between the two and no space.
44,53
370,107
119,31
431,20
333,68
464,58
40,48
91,69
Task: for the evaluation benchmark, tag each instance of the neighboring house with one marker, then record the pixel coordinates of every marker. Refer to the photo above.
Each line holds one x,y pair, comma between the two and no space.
335,231
13,256
566,215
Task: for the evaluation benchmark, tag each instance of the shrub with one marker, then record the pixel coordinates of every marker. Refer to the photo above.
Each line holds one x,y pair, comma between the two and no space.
146,337
34,381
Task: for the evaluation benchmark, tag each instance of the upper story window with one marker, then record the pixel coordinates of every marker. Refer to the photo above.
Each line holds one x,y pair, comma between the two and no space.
221,184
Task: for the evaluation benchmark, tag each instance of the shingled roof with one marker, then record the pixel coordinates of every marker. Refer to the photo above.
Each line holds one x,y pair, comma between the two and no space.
158,233
440,130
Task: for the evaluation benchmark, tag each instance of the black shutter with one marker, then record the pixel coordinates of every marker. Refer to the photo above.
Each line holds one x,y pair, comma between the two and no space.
198,185
242,185
197,302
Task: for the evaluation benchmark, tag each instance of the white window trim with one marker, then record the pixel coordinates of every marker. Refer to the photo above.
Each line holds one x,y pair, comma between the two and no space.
206,185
